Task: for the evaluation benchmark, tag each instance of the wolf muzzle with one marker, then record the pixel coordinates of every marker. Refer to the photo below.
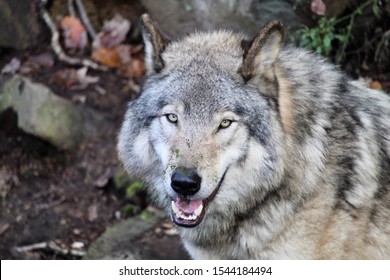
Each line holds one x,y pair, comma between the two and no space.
186,211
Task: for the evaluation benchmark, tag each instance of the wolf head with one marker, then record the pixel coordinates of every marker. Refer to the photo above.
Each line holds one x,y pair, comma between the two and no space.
205,127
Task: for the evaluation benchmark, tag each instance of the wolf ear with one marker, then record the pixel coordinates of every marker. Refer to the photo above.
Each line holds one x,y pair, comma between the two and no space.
155,42
262,51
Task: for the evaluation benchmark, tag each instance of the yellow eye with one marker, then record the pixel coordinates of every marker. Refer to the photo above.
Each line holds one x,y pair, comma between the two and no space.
225,123
172,118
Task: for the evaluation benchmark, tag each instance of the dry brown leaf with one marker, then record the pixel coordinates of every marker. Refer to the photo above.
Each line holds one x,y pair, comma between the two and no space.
74,32
134,69
375,85
108,57
318,7
125,58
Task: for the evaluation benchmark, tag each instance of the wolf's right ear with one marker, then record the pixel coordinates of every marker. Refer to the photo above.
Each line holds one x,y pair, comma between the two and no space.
155,42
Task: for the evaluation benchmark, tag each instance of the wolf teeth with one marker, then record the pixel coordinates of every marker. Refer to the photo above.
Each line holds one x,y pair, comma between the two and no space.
175,209
183,216
198,210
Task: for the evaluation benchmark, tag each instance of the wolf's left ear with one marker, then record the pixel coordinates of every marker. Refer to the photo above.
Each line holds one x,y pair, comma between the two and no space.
155,41
261,53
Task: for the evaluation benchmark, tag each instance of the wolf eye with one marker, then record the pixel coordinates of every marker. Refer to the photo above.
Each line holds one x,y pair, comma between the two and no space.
225,123
172,118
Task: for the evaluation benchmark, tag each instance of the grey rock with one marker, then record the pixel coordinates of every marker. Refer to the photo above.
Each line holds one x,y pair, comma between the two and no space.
44,114
19,21
135,239
112,242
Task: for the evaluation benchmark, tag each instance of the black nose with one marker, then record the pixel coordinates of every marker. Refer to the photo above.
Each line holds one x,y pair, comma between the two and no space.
185,181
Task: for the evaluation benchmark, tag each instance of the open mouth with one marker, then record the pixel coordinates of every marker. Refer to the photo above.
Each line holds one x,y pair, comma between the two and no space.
187,212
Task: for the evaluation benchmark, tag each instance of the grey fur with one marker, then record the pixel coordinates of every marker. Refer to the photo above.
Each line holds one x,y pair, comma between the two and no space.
303,172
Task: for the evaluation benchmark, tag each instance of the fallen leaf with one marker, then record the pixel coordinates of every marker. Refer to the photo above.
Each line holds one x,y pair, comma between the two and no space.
79,98
84,79
131,85
318,7
125,58
77,245
92,212
12,67
74,79
113,33
74,32
124,53
108,57
5,182
171,232
134,69
167,225
45,59
35,62
103,180
4,228
376,85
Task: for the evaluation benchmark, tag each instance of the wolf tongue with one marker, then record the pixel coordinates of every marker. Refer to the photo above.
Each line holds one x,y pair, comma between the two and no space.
188,206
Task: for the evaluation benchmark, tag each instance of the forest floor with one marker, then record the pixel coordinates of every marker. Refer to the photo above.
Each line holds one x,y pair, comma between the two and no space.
67,197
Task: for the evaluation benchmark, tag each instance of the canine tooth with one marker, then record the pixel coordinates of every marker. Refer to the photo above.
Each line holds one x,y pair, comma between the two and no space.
198,210
175,209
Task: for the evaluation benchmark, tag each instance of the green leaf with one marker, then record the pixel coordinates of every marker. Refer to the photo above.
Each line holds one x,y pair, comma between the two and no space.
128,209
121,179
319,50
146,215
376,10
341,38
132,189
328,41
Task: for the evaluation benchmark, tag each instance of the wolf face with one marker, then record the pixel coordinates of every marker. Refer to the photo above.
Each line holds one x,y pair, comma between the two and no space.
198,130
258,150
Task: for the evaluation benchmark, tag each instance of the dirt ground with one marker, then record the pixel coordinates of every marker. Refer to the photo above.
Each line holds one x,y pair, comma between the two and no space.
67,197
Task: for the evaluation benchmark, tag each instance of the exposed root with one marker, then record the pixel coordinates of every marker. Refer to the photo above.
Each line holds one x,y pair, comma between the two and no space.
85,19
50,246
55,43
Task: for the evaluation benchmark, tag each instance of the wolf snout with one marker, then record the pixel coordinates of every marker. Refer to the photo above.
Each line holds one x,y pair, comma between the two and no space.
185,181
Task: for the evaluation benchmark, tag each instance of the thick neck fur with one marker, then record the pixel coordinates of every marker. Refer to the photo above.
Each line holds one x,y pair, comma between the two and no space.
332,161
301,174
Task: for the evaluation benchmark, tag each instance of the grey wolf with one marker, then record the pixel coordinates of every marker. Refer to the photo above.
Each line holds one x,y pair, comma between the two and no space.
260,150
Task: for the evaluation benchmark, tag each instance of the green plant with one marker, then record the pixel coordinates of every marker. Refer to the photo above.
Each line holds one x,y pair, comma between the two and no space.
133,188
322,37
146,215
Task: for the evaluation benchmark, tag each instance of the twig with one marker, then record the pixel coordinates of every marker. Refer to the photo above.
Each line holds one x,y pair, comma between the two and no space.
85,19
55,44
51,205
50,245
71,9
4,228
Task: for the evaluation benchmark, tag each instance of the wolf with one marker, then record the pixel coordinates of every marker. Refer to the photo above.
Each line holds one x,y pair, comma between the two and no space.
260,150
